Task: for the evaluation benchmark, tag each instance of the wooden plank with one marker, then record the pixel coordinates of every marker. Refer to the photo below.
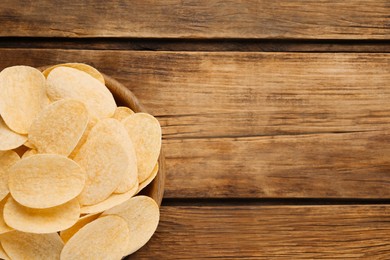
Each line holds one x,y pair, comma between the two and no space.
271,232
266,19
319,122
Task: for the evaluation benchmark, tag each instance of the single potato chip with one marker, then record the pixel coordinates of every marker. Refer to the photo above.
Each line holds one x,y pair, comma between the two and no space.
122,112
9,139
149,179
22,96
7,159
3,254
80,66
41,220
142,216
104,238
145,132
68,233
45,180
29,153
105,159
20,245
4,228
110,202
64,82
59,127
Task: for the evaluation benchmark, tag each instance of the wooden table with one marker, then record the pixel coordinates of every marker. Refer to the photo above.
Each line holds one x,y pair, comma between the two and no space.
276,115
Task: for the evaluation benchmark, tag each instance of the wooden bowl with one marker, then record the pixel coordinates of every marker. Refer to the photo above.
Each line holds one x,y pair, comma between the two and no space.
124,97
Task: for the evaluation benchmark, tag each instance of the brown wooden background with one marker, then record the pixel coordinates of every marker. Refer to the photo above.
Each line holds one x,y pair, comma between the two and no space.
276,115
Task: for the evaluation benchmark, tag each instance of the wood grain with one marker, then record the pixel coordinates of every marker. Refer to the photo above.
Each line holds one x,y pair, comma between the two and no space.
271,232
257,125
268,19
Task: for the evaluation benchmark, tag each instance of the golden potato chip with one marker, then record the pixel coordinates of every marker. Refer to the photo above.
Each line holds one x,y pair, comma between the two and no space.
68,233
20,245
142,215
149,179
29,152
22,96
3,254
4,228
64,82
45,180
80,66
105,159
41,220
59,127
110,202
122,112
145,132
7,159
104,238
9,139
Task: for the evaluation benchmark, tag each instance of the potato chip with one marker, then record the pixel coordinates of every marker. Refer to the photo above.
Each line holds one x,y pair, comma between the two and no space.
80,66
110,202
4,228
122,112
142,215
59,127
22,96
104,238
105,159
64,82
7,159
45,180
68,233
145,132
41,220
20,245
29,153
9,139
149,179
3,254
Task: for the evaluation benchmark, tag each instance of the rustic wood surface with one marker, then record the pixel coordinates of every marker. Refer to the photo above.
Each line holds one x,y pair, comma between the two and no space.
275,115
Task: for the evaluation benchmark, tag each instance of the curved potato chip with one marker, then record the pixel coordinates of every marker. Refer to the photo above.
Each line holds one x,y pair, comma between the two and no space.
59,127
22,96
104,238
9,139
3,254
68,233
80,66
4,228
145,132
7,159
41,221
105,159
64,82
122,112
142,215
29,153
110,202
149,179
45,180
20,245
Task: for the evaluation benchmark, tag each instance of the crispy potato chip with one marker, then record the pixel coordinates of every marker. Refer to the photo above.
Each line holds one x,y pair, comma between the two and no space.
4,228
104,238
20,245
110,202
59,127
145,132
80,66
68,233
7,159
149,179
29,153
22,96
9,139
41,220
45,180
122,112
105,159
142,215
3,254
64,82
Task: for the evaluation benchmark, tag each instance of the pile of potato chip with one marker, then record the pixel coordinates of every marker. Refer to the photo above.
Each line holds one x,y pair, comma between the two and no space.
71,193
